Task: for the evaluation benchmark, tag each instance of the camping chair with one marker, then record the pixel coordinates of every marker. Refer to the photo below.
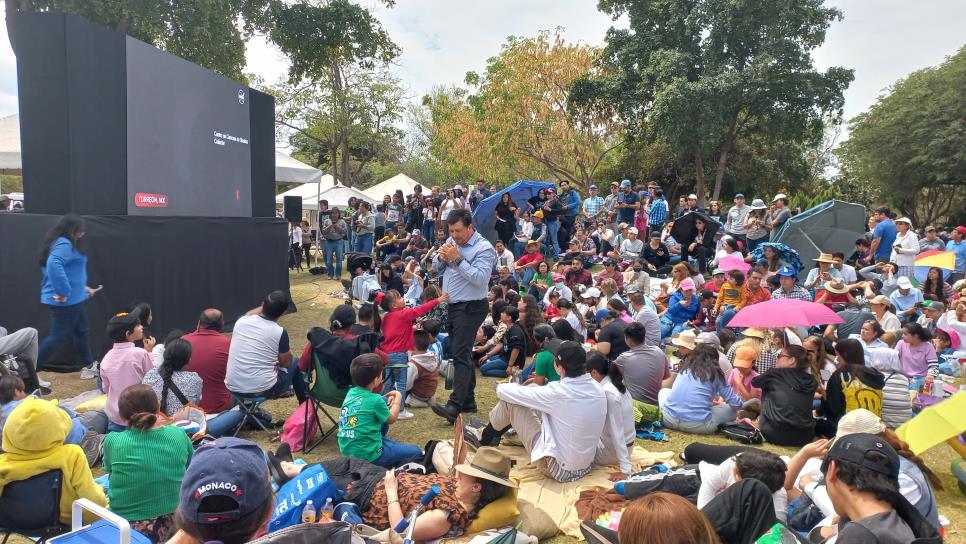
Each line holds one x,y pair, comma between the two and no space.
249,407
322,392
31,507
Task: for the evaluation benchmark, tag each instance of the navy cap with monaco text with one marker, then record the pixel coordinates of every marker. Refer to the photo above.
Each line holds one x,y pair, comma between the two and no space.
227,467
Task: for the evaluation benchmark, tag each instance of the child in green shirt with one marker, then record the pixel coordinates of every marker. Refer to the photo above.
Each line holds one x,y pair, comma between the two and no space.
365,417
543,371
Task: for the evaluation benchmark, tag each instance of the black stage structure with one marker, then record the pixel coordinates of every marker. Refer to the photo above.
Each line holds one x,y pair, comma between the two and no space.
74,108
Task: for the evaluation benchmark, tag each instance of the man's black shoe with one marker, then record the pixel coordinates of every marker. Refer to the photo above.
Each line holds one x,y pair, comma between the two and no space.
470,408
448,411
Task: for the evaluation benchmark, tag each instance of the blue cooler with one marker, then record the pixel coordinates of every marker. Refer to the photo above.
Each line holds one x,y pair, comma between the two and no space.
110,529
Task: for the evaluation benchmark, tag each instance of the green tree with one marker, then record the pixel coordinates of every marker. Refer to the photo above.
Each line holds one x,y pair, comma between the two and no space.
211,33
701,75
911,144
332,45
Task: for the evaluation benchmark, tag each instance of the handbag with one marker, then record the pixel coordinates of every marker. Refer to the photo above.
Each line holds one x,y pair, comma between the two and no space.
295,426
804,514
741,432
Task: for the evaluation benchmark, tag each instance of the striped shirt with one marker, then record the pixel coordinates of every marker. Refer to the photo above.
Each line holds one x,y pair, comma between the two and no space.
896,403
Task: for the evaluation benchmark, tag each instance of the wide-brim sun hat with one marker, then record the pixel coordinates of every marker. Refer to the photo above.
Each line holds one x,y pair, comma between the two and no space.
824,258
836,286
685,339
489,464
859,420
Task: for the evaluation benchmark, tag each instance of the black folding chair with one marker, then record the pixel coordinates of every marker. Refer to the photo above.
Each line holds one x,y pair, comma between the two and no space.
31,507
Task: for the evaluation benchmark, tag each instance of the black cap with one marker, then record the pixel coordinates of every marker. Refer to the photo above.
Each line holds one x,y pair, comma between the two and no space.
570,351
855,448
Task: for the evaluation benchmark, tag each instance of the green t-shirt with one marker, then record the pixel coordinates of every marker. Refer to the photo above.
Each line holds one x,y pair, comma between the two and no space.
146,469
360,424
543,366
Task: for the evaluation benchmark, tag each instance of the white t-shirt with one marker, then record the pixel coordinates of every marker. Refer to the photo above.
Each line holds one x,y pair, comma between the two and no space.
716,478
253,353
296,236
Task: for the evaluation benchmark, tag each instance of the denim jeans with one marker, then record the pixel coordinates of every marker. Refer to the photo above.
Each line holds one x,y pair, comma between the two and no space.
670,328
429,229
553,230
224,422
334,249
66,322
396,453
725,316
495,367
525,275
363,243
396,374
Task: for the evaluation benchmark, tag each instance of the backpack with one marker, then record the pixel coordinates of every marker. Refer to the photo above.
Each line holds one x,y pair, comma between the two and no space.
741,432
860,395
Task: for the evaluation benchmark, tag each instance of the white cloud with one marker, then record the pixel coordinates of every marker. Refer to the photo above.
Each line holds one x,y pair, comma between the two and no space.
883,40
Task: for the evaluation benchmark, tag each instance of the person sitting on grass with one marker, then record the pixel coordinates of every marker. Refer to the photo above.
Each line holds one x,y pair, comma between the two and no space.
542,371
512,349
619,423
787,393
33,443
365,417
423,375
124,365
146,464
559,423
689,405
85,428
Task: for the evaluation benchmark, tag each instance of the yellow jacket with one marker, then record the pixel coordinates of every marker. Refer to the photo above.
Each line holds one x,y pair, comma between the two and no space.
33,442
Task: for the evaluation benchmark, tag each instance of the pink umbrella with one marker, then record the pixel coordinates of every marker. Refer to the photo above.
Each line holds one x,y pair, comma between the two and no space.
784,312
730,263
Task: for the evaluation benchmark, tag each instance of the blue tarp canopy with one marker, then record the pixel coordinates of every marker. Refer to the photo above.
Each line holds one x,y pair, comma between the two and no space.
484,216
830,227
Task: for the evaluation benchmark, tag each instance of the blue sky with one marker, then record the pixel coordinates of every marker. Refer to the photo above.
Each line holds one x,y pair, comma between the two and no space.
441,40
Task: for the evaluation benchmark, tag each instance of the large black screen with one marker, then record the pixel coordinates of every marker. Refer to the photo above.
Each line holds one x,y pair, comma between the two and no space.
188,138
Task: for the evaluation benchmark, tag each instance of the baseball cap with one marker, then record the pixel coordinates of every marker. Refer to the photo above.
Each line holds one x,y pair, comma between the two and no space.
558,277
855,448
692,196
539,214
709,338
960,229
655,234
570,351
905,220
717,271
779,196
417,232
859,420
603,314
745,357
686,284
633,230
592,292
226,467
740,195
593,187
786,271
904,283
880,299
625,183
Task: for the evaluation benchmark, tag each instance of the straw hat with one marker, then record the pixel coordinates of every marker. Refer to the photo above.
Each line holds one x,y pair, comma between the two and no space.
824,258
489,464
836,286
685,339
754,332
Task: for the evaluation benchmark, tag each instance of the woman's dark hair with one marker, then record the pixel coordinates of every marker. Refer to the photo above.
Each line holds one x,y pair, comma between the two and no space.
139,406
565,331
238,531
532,316
738,276
617,305
902,448
764,466
496,309
143,310
370,312
851,352
917,330
569,306
512,297
800,355
877,329
702,364
172,335
497,292
68,226
489,492
731,242
177,353
934,288
597,361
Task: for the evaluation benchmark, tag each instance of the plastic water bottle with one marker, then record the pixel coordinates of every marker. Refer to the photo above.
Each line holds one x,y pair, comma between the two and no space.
325,515
308,513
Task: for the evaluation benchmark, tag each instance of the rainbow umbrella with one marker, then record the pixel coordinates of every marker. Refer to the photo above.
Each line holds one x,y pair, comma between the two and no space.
944,260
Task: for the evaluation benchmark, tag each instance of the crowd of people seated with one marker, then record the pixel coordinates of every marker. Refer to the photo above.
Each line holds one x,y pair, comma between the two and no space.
598,322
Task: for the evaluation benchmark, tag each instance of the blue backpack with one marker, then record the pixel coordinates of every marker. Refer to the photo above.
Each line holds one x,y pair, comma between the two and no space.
313,484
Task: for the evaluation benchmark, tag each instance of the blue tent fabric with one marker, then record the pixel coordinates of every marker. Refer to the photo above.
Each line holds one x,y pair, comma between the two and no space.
484,216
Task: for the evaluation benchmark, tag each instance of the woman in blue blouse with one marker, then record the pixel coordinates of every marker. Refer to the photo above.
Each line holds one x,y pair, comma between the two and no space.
64,289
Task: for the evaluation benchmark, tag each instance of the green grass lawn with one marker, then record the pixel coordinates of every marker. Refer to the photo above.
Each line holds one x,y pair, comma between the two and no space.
311,295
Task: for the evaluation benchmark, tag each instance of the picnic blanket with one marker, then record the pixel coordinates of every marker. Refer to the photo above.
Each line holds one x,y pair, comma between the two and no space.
547,506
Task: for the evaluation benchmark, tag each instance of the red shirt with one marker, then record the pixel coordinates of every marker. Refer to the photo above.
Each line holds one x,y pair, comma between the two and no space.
831,299
617,277
754,297
397,327
528,258
209,359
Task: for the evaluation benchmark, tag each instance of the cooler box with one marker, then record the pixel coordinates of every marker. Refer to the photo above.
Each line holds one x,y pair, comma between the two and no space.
110,529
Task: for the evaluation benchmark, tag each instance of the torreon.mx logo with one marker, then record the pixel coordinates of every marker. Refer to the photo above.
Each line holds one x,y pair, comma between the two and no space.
151,200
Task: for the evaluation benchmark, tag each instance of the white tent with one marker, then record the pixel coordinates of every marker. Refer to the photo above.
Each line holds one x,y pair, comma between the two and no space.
289,170
400,182
337,195
10,144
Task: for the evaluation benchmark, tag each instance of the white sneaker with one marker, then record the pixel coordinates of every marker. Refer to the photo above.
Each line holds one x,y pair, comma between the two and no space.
91,372
406,414
413,402
43,383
